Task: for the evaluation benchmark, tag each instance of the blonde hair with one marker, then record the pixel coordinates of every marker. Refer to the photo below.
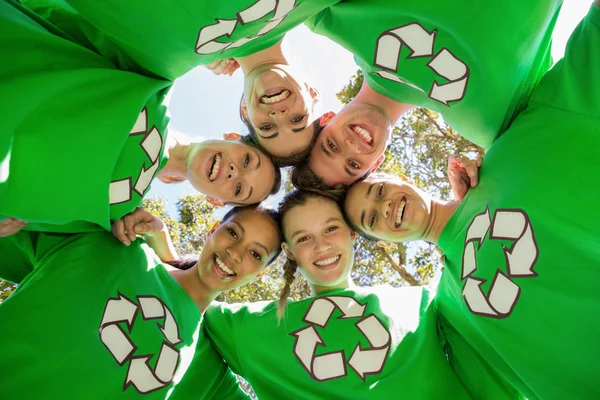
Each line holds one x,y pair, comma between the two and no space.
289,274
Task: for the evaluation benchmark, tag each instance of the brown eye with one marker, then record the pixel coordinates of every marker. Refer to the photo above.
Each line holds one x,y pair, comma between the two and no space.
331,145
266,127
232,233
380,192
255,255
372,221
238,189
299,119
353,164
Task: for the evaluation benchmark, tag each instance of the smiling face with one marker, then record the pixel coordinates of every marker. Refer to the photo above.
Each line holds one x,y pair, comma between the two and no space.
238,250
230,171
351,145
320,241
388,208
280,109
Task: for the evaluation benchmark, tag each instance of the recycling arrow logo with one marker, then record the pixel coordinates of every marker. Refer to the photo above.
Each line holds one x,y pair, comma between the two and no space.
421,43
140,374
207,43
332,365
120,190
521,256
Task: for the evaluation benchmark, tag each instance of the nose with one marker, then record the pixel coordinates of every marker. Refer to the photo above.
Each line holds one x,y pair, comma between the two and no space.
386,208
351,147
234,254
232,172
322,245
281,112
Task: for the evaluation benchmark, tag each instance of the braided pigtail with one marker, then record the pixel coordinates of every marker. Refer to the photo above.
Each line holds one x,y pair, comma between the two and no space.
289,274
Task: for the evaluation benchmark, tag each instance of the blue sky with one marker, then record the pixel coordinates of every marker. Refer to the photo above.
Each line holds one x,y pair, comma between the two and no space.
204,106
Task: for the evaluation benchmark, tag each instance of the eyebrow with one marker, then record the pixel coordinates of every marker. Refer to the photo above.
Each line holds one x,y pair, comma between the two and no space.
239,226
258,157
299,129
271,136
349,172
362,215
369,190
249,194
325,151
264,248
325,223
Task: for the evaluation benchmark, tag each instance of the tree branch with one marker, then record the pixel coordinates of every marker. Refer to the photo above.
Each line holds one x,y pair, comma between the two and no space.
399,268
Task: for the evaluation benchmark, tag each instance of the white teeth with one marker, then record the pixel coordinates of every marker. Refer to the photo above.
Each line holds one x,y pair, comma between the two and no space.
327,261
363,133
400,211
222,265
215,168
274,99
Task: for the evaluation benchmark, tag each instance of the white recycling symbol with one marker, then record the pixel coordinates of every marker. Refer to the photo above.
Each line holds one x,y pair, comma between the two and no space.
207,44
120,190
521,256
421,43
332,365
140,374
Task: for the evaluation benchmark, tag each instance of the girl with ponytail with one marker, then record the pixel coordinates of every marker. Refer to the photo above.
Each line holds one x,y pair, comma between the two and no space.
342,342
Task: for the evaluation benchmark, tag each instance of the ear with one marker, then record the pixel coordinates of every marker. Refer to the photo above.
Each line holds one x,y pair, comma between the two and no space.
231,136
215,202
353,235
314,93
213,228
378,163
325,118
287,251
384,244
244,108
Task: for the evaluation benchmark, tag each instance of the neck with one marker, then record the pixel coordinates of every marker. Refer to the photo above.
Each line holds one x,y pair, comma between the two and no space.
441,211
316,290
190,281
178,160
392,109
272,55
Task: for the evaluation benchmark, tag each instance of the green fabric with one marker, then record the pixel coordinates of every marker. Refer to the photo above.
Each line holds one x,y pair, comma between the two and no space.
161,37
536,209
326,345
69,316
67,122
475,62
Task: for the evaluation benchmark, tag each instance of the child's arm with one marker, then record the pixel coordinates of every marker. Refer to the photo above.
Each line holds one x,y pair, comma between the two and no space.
141,222
463,173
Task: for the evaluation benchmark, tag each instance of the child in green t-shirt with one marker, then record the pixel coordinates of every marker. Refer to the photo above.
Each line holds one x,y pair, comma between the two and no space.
522,259
94,319
342,342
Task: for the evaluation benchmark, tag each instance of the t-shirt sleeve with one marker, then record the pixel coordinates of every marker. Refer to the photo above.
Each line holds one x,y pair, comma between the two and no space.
221,323
573,84
22,252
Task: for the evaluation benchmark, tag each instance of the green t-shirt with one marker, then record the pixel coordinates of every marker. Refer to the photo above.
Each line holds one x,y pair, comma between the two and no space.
475,62
168,38
362,343
74,140
98,320
522,250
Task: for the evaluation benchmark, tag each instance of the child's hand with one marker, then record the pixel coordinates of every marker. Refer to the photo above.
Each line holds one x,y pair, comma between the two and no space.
10,226
223,67
463,173
139,222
